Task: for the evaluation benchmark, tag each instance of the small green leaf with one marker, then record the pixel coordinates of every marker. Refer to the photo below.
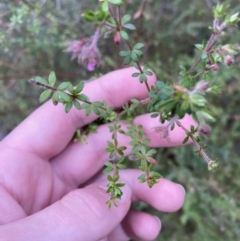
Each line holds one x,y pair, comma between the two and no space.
110,179
135,101
129,26
45,95
121,166
41,80
79,87
107,170
108,164
82,97
134,56
96,110
64,97
68,107
185,140
148,73
124,35
143,78
124,53
77,104
126,18
63,86
52,78
55,98
127,60
88,110
138,46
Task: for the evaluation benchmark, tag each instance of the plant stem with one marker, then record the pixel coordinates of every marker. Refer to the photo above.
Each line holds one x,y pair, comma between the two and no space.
138,65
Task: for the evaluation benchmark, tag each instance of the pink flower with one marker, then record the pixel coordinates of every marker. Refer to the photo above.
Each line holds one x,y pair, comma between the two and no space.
85,50
75,47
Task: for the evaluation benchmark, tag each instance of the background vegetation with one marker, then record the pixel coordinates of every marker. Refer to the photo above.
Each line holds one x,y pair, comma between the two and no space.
32,37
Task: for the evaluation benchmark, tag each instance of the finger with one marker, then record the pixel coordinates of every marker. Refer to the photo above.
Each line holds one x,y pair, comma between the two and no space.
48,130
80,215
78,162
138,226
165,196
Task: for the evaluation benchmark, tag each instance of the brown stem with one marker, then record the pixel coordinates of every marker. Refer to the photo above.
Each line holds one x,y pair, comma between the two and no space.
197,145
138,65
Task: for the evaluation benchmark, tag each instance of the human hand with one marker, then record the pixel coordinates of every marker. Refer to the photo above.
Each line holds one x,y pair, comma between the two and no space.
51,189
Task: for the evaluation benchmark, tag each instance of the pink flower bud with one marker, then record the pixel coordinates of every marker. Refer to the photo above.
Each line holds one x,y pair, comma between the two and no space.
215,67
228,60
137,14
205,130
117,38
201,86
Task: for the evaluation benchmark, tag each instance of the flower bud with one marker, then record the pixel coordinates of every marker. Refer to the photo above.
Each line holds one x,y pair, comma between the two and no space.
117,38
205,130
228,60
215,67
201,86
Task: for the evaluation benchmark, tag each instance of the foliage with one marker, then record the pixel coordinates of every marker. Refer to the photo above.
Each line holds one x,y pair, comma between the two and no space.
32,36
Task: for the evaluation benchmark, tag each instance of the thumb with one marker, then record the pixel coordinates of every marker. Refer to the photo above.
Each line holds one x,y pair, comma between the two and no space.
80,215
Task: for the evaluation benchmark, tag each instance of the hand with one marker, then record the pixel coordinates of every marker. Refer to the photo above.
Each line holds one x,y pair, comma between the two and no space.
51,189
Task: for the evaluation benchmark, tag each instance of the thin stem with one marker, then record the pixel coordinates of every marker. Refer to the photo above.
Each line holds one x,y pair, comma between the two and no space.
197,145
112,15
138,65
33,81
211,42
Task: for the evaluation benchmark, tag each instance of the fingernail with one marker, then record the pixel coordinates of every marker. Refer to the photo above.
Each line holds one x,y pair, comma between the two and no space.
159,221
182,188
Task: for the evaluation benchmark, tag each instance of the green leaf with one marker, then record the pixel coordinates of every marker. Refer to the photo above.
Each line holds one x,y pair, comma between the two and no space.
45,95
154,115
63,86
96,110
77,104
88,110
124,53
185,140
64,97
116,178
135,74
107,170
148,73
135,101
143,78
41,80
79,87
134,56
199,46
138,46
124,35
110,179
68,106
129,26
127,60
121,166
104,6
108,164
52,78
55,98
126,18
82,97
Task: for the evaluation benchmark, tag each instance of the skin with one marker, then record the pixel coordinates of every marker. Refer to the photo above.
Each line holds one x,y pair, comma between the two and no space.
53,189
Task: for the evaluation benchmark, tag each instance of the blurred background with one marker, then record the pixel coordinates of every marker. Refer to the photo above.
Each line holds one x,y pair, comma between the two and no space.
32,37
